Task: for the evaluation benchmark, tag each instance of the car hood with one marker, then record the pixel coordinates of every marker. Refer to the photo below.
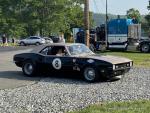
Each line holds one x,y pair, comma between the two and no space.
111,59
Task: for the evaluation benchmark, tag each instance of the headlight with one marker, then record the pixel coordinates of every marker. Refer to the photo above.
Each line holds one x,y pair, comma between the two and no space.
114,67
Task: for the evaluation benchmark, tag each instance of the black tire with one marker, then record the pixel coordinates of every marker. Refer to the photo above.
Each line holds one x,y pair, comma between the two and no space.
22,43
145,48
37,43
90,74
29,68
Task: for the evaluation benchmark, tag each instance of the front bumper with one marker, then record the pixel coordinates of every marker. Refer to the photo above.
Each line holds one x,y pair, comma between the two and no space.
110,73
118,72
19,64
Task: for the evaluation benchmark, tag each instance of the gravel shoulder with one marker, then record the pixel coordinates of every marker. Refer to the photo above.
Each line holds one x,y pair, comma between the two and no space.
55,95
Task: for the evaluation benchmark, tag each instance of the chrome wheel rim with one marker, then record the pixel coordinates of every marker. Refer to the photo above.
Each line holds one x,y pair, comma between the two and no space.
28,68
89,74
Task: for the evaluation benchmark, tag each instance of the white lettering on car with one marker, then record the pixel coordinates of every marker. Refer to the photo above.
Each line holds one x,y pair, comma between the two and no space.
57,63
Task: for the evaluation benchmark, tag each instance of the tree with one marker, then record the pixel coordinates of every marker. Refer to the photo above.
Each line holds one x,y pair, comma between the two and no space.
147,23
9,18
32,17
134,14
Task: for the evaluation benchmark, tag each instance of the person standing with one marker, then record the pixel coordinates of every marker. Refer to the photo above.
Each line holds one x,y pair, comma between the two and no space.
4,40
61,38
13,41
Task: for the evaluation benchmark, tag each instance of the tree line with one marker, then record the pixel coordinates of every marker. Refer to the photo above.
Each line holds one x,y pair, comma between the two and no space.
19,18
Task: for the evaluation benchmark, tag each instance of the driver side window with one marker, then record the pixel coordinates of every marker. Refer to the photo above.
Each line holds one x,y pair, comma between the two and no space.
46,51
55,50
58,51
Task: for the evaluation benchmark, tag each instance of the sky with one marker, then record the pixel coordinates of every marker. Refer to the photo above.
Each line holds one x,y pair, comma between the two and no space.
119,7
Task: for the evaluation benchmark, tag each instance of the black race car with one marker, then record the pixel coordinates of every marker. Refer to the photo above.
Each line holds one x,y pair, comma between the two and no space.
72,58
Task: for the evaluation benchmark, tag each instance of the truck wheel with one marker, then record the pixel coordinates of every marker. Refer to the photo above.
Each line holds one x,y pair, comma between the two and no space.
90,74
145,48
28,68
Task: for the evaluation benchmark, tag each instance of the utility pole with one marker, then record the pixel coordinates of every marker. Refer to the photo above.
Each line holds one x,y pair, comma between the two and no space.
106,27
86,22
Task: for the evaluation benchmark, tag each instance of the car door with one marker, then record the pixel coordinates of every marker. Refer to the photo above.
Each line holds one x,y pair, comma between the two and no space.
36,39
29,40
33,40
58,64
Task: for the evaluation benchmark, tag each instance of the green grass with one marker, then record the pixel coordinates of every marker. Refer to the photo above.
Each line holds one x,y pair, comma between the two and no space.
118,107
9,44
139,59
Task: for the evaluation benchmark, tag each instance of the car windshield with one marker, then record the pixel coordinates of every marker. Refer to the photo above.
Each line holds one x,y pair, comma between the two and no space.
79,49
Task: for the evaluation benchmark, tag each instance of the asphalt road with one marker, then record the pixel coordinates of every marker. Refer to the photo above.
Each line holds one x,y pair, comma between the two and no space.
10,75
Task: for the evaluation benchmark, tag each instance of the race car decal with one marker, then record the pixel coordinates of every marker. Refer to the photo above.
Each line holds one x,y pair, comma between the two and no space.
57,63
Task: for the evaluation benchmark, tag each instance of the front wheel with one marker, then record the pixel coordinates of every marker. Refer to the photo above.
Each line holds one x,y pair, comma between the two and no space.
145,48
90,74
28,68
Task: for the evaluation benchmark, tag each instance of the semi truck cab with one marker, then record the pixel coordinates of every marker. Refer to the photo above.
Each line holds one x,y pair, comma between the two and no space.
120,32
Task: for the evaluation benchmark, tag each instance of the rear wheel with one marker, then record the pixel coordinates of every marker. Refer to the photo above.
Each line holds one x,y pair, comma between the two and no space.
37,43
145,48
28,68
90,74
22,43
